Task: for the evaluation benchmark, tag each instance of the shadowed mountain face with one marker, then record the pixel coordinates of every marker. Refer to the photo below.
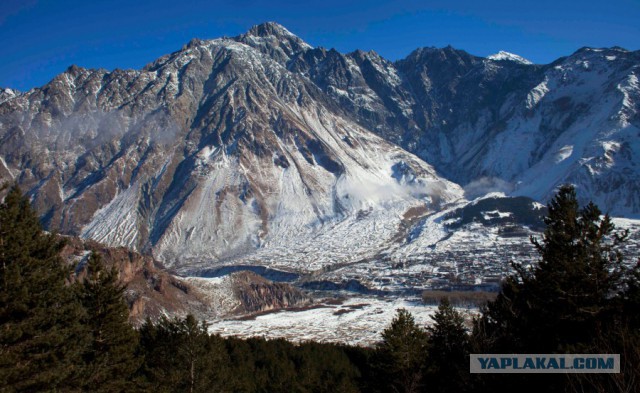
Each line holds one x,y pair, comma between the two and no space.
501,122
264,144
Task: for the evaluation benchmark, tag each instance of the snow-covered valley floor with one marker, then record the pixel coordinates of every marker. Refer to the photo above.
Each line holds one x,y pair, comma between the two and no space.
474,257
356,320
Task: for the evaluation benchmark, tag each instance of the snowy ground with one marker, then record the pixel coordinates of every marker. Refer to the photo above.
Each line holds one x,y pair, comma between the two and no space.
356,321
473,255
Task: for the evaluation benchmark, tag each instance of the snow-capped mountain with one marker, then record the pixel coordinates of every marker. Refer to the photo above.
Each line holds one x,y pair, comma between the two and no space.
263,149
507,56
207,154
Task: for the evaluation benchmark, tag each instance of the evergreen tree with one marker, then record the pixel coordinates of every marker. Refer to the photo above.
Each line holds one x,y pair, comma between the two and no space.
260,365
242,364
575,299
180,356
275,371
568,295
324,368
40,333
448,363
401,354
110,355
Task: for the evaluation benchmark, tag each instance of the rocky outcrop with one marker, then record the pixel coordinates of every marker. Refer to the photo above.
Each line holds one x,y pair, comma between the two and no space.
150,291
258,294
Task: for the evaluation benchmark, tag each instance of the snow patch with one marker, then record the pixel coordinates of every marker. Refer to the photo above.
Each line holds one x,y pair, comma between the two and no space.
357,321
495,213
564,153
537,94
218,292
538,205
4,163
116,224
629,88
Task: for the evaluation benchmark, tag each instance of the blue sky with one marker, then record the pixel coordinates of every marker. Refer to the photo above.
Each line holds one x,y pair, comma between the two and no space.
41,38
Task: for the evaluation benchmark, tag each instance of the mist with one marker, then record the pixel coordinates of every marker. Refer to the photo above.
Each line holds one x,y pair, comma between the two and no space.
89,130
486,185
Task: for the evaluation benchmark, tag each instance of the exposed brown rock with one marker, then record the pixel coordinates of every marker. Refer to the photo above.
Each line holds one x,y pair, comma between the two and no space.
152,291
257,294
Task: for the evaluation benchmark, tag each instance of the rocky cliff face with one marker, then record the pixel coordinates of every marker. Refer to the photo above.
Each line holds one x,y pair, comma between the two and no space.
257,294
261,148
151,291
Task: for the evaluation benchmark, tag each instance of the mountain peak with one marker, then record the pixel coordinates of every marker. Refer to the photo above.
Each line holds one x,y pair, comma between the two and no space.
270,29
275,40
507,56
432,53
7,94
600,51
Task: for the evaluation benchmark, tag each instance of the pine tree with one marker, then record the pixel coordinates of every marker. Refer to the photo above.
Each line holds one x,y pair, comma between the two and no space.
581,267
448,350
110,355
192,349
401,354
575,299
323,368
573,289
40,336
180,356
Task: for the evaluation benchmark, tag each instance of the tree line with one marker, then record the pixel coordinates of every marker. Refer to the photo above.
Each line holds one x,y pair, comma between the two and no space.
66,336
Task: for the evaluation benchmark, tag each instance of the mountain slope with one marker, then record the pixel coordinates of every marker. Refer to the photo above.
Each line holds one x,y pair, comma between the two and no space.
496,125
206,154
261,149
